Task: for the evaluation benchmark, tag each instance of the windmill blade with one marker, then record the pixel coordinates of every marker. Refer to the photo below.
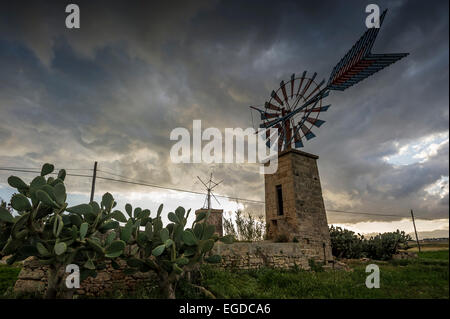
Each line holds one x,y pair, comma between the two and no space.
283,89
215,184
313,121
292,84
359,63
272,107
298,140
308,134
276,98
278,126
308,84
316,89
269,123
301,82
215,198
265,115
257,109
202,182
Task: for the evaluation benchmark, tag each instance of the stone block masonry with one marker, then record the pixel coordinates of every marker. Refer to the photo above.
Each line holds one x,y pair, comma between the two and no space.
255,255
294,203
33,280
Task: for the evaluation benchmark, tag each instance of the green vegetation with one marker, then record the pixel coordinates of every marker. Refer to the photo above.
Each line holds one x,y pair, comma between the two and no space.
424,277
244,228
172,252
88,234
8,277
43,226
57,235
347,244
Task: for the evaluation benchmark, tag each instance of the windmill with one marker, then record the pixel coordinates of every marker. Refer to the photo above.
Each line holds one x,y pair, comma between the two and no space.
294,108
293,195
214,215
210,185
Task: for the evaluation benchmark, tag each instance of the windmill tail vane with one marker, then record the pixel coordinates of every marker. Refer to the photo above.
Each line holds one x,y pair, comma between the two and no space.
293,109
359,63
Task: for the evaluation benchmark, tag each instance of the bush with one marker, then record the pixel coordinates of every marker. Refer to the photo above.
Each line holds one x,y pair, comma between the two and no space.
347,244
383,246
247,228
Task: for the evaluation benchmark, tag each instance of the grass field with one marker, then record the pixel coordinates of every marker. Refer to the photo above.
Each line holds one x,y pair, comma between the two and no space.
424,277
428,246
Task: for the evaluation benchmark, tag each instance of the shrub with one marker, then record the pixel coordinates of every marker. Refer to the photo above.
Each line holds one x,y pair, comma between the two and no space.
383,246
347,244
247,228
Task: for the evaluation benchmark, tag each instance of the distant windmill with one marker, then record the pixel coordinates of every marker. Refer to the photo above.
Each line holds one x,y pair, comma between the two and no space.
215,215
209,187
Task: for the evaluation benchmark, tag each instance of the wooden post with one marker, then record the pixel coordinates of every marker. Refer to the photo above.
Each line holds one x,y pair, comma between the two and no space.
93,182
415,230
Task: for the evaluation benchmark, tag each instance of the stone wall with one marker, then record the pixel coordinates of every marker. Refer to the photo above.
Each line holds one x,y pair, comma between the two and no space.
304,218
33,279
239,255
255,255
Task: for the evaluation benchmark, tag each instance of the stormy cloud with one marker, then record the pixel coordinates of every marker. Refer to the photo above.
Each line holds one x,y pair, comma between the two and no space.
113,90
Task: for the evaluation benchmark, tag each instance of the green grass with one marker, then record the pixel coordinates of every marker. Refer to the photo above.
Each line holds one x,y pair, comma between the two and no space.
8,277
436,255
424,277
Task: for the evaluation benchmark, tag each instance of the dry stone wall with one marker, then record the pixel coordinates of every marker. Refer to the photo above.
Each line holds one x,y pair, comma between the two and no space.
33,279
238,255
255,255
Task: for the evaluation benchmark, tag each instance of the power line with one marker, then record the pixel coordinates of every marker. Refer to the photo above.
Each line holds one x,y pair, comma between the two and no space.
37,168
143,183
140,183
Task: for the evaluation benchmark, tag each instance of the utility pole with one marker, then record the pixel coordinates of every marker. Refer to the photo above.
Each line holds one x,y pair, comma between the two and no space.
93,182
415,230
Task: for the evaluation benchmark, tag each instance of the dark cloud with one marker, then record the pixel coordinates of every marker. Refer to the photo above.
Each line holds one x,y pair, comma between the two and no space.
113,90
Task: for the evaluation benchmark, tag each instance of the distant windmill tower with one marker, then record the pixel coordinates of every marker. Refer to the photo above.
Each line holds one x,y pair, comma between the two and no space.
215,217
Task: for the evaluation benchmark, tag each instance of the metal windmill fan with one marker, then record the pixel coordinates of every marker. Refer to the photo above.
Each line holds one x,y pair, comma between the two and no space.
294,108
287,99
210,185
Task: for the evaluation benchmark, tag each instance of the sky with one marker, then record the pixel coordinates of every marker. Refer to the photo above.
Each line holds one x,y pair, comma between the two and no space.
113,90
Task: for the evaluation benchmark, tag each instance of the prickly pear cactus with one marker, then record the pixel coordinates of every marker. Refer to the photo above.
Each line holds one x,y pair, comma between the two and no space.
170,251
45,227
